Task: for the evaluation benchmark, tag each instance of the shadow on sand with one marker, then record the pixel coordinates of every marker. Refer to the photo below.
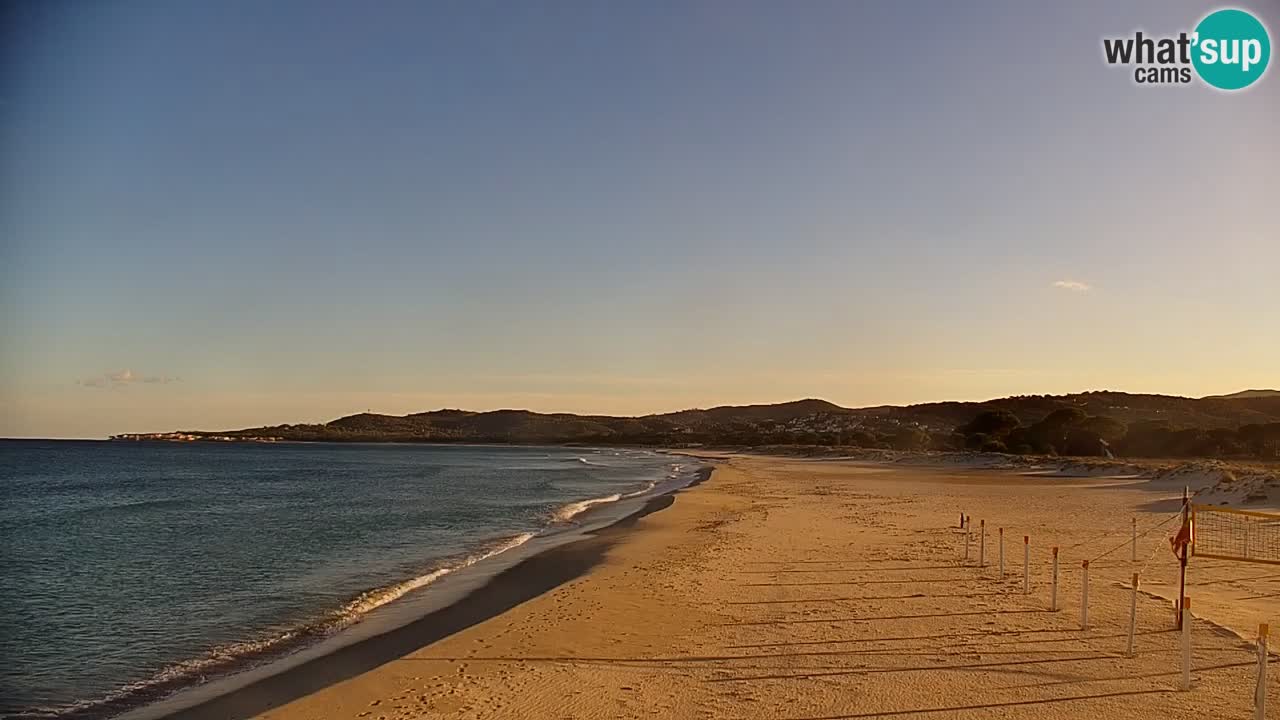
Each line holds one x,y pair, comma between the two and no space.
988,706
916,668
1080,636
866,597
881,617
851,582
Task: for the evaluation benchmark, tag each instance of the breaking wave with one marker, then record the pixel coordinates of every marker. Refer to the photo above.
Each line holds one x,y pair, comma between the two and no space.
244,655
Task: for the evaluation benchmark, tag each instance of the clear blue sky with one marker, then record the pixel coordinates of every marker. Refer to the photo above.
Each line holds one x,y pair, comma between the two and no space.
229,214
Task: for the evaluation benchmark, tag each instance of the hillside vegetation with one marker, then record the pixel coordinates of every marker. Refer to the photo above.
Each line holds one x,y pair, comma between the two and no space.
1092,423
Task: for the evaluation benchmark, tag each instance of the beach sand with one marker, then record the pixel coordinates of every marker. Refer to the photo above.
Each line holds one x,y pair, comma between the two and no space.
786,588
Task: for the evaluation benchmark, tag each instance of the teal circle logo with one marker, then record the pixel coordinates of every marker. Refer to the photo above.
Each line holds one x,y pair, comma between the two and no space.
1231,49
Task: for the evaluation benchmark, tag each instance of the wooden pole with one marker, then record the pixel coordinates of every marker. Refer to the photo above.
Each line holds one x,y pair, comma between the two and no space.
1133,616
1182,559
1001,553
1053,595
1186,643
982,543
1084,597
1260,693
966,546
1026,564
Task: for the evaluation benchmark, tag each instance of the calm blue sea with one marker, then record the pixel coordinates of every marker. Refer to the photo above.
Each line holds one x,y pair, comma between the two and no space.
128,570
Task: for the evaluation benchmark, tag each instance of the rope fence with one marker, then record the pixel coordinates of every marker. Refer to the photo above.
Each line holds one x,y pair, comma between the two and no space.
1215,532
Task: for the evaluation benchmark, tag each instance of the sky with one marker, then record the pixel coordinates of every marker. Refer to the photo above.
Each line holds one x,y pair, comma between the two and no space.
218,215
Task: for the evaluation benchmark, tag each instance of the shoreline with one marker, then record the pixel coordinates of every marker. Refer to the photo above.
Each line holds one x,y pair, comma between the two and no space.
797,590
257,690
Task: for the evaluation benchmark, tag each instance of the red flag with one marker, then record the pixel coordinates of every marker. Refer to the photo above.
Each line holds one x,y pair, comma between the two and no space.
1182,538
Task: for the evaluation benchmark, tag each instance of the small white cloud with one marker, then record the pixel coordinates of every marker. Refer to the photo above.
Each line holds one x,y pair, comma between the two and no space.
1072,285
122,378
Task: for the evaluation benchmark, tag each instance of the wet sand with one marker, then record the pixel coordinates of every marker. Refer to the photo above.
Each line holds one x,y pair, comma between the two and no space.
786,588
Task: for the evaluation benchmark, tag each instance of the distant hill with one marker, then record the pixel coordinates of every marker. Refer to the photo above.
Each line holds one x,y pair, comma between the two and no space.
1237,425
1178,412
525,426
780,412
1245,394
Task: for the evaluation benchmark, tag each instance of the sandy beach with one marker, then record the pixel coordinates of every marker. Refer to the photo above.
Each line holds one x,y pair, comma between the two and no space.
806,589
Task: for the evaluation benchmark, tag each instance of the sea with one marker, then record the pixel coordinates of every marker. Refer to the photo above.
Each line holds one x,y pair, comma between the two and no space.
131,571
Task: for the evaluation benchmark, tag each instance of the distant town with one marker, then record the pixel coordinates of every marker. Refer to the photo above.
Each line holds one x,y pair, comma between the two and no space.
188,437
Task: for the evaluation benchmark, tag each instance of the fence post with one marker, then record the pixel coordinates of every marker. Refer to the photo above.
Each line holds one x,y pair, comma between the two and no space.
1260,694
982,543
1133,546
1133,616
1053,595
1186,643
1084,597
966,545
1001,553
1026,564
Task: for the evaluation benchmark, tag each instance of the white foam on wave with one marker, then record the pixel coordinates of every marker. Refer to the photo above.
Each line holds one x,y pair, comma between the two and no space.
637,493
224,657
573,509
566,513
372,599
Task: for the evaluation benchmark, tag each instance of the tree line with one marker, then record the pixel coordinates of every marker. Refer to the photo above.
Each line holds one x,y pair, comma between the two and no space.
1065,431
1072,431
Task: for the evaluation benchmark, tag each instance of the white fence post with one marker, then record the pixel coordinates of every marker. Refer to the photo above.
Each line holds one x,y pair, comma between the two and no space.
1133,546
1084,597
982,543
1186,643
1053,594
1001,553
1260,694
1133,616
1026,564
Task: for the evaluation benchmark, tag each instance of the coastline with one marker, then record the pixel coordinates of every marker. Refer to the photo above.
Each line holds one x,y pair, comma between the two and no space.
801,589
465,598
